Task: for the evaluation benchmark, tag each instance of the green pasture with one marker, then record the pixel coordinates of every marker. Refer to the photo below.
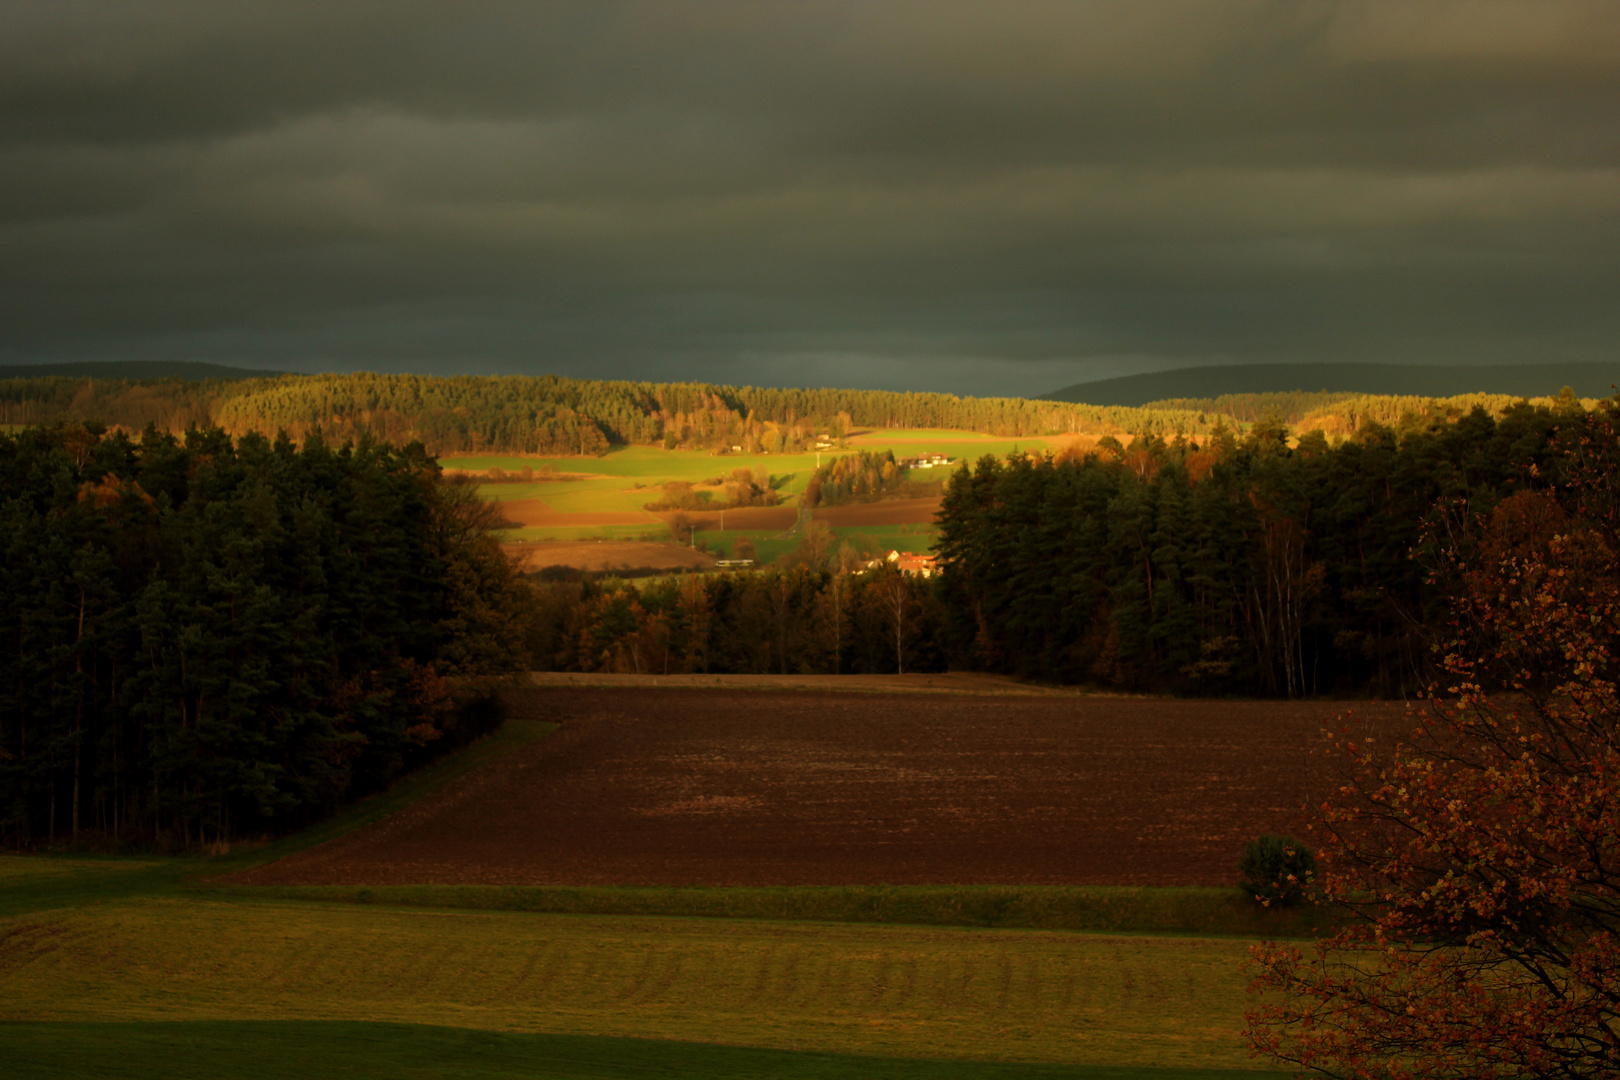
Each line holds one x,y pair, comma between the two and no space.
609,483
295,1050
627,478
908,538
652,532
891,991
621,467
864,538
769,544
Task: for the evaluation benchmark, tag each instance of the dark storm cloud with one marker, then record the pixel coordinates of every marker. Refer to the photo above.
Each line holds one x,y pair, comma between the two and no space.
990,197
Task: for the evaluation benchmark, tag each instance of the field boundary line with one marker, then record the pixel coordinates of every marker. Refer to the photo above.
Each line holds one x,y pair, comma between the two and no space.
1205,912
513,733
950,683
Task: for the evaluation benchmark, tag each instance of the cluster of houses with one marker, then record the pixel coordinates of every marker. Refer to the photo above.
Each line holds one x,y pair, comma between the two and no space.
903,561
907,563
925,461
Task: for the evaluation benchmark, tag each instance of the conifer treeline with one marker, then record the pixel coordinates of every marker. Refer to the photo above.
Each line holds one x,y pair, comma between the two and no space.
555,416
798,619
1223,565
546,414
210,636
1258,565
858,477
1336,413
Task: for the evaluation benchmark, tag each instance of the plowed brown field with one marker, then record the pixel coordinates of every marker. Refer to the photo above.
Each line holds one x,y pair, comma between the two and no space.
734,787
535,513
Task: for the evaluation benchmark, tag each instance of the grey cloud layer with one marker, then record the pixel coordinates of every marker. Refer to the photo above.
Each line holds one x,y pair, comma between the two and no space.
845,192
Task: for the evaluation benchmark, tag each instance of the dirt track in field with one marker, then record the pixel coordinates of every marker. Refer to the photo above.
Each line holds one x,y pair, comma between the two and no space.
883,512
737,787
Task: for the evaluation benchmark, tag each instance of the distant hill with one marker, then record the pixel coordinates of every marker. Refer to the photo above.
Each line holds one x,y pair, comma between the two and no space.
135,369
541,414
1413,380
552,416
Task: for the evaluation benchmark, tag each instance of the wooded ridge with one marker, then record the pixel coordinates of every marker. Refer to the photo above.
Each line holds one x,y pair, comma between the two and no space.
553,416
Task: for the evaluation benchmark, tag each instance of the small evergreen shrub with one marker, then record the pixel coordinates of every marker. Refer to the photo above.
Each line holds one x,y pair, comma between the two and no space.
1277,870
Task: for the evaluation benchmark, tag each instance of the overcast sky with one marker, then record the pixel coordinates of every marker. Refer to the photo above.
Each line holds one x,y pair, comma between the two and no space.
994,197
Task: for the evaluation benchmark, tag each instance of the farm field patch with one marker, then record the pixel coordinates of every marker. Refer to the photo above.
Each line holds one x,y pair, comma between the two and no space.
886,990
534,513
718,787
607,495
771,519
598,555
965,445
641,463
884,512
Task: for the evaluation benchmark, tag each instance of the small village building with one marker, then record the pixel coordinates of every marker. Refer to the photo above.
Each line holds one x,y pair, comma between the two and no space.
907,563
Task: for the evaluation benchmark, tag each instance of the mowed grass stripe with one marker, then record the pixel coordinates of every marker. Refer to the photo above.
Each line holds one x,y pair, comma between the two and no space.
892,991
283,1050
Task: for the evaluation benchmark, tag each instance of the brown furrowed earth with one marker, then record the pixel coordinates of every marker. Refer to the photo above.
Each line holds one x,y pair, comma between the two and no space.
741,787
606,555
883,512
536,513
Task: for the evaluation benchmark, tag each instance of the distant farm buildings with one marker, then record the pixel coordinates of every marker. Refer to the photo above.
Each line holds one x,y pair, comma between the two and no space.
926,461
907,563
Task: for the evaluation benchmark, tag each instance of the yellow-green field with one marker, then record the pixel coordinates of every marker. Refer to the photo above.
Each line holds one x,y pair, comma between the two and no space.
892,991
964,445
624,480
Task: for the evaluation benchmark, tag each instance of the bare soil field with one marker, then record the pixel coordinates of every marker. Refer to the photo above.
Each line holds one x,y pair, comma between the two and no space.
743,517
884,512
738,787
606,555
534,513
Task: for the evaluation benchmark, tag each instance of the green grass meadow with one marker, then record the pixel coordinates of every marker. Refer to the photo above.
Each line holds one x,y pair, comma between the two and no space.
963,446
826,988
149,966
273,1050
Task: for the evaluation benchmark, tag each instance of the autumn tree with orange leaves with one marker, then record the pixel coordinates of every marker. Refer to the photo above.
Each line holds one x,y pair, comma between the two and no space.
1479,858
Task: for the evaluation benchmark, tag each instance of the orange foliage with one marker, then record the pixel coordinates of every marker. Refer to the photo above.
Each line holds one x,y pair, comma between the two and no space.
1200,463
1482,853
111,491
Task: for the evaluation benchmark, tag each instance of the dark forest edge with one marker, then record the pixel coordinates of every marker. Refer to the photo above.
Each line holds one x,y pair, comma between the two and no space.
211,638
1254,566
